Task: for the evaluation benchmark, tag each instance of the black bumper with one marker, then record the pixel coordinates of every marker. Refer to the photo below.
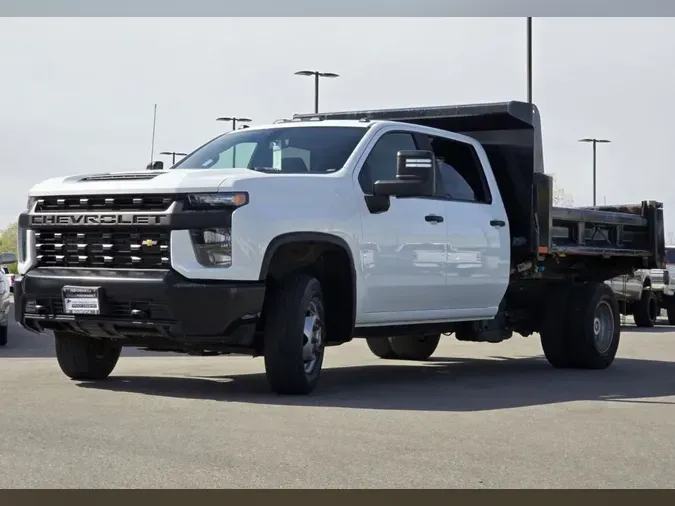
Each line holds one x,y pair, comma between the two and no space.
143,305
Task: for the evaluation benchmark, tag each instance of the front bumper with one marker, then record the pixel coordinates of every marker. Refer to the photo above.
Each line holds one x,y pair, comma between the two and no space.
143,304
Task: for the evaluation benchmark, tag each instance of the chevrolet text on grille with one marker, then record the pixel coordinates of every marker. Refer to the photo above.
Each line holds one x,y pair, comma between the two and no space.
98,219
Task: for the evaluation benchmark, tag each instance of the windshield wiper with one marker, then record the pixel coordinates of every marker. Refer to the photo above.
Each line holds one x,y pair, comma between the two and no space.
265,169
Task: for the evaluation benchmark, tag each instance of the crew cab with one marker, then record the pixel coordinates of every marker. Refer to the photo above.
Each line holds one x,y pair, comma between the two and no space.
284,239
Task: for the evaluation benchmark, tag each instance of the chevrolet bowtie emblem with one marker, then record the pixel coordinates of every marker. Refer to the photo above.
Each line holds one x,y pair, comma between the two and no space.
149,242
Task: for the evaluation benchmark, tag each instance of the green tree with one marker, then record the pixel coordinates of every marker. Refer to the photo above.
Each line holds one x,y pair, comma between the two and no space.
9,242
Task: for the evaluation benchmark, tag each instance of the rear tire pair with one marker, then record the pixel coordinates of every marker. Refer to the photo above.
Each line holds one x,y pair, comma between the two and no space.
581,327
419,347
646,310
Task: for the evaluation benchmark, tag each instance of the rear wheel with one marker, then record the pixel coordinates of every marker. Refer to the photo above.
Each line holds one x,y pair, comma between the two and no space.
417,347
670,309
3,335
646,310
85,358
381,347
553,333
588,329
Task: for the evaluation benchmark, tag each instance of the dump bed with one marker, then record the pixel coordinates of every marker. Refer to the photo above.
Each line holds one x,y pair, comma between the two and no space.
510,134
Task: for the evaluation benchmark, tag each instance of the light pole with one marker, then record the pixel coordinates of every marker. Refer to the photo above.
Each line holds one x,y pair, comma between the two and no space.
595,142
317,75
173,155
529,60
234,121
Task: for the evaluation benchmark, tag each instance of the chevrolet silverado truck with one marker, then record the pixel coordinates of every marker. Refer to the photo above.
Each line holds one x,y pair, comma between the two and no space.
643,294
285,239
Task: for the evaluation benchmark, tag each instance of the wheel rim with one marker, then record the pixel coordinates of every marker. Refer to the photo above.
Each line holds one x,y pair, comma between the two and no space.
312,337
603,327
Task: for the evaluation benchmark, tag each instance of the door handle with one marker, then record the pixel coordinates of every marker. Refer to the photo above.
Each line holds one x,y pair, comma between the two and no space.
433,218
497,223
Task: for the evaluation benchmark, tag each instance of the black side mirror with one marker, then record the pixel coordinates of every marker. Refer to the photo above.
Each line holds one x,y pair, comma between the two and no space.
158,165
415,176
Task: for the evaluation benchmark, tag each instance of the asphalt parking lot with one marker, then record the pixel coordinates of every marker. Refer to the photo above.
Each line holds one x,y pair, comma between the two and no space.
473,416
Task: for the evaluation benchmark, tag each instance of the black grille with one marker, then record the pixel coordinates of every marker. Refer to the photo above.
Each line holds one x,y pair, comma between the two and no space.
53,306
102,203
103,249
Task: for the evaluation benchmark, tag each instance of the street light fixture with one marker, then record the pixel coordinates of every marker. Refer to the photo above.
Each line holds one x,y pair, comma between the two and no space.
173,154
234,121
317,75
595,142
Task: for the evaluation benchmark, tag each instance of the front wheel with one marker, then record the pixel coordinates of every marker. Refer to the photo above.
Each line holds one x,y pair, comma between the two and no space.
85,358
295,333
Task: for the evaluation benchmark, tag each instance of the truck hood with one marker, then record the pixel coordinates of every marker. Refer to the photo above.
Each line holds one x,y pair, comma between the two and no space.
142,181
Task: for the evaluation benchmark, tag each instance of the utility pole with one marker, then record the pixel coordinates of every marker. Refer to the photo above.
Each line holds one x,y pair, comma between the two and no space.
317,75
595,142
529,60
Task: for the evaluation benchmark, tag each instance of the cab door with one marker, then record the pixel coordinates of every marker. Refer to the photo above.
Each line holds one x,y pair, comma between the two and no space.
405,278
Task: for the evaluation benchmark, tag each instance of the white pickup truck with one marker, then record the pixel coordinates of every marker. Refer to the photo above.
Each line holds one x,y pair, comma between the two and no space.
284,239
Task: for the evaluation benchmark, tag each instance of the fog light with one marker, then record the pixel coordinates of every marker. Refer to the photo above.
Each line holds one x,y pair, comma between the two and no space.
212,246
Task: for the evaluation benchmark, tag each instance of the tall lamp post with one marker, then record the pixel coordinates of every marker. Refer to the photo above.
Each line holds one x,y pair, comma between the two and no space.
173,155
234,121
595,142
317,75
529,60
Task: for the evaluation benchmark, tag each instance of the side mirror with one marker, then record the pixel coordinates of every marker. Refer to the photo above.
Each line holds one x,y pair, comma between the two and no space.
158,165
8,258
415,176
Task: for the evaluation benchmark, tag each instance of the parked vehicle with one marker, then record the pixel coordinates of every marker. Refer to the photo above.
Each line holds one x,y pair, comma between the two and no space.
302,246
643,294
5,296
668,303
9,276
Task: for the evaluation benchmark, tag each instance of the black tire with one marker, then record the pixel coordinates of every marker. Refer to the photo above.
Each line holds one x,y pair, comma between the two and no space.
84,358
284,340
414,347
553,331
3,335
670,309
593,314
381,347
646,310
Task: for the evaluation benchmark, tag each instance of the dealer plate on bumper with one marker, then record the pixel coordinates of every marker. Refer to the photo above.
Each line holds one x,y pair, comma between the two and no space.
81,300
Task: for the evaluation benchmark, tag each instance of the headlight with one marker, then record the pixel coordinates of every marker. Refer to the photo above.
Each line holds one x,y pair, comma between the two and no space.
213,246
30,202
221,200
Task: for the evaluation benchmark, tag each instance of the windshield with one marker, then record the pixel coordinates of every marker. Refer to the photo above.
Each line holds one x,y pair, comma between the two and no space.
670,255
290,150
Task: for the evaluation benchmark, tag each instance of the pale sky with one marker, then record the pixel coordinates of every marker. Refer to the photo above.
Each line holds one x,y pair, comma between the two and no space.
77,94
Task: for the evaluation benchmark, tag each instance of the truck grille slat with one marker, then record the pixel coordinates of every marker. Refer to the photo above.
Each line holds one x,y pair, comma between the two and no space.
52,306
102,203
110,249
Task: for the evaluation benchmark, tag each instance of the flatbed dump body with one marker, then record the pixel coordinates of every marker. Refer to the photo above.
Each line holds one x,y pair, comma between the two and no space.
510,133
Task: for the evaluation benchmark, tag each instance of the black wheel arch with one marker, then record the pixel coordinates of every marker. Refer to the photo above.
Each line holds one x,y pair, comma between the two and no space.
312,237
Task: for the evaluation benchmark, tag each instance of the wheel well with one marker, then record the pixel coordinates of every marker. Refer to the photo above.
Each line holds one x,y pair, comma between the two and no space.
330,261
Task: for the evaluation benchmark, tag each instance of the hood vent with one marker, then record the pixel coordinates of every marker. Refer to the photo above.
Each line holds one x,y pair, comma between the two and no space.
117,177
